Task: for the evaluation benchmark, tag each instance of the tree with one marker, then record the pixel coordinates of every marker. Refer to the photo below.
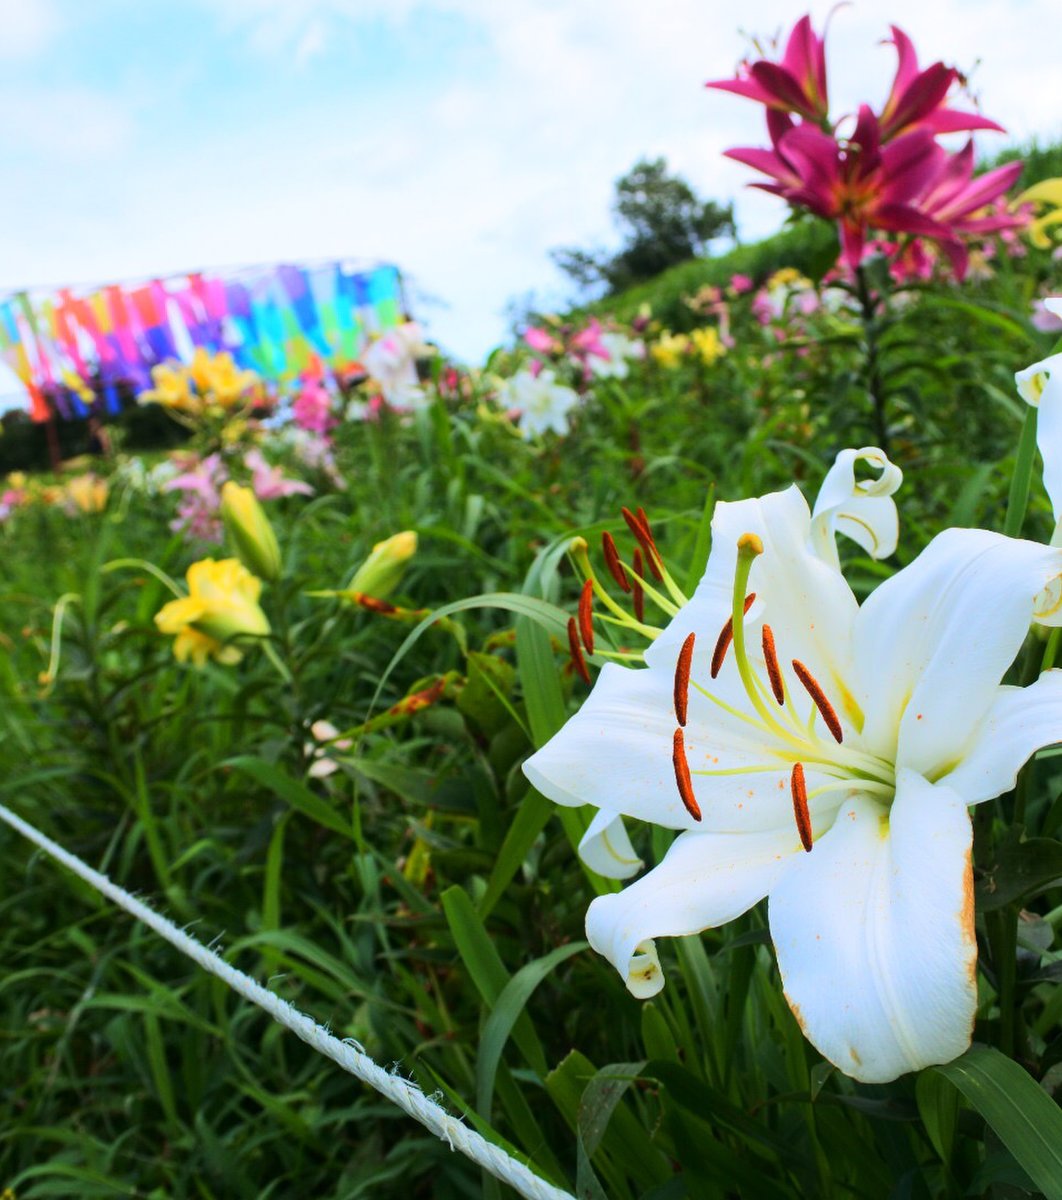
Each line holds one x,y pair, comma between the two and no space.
663,223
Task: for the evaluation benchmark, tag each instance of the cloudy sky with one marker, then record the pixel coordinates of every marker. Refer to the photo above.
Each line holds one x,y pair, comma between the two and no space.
460,139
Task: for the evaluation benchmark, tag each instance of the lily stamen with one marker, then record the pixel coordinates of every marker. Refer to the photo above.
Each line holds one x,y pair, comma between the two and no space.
612,561
800,806
682,678
586,615
726,636
682,775
637,591
643,535
774,671
818,696
577,651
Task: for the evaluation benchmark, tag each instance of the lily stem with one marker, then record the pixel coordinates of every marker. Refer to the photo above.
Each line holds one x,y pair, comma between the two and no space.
869,306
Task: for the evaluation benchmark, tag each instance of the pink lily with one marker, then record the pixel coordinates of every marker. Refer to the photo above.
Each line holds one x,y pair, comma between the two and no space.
958,200
859,184
796,84
540,340
269,482
916,97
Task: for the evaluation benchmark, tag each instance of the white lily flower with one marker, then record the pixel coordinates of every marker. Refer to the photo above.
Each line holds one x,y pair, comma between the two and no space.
863,509
543,403
606,847
844,801
1041,386
620,349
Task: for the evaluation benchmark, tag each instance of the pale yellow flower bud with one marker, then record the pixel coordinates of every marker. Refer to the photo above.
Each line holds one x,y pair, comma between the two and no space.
382,571
249,531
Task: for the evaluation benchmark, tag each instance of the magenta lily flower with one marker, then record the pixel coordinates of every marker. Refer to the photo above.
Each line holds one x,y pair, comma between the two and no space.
797,84
917,97
963,203
859,183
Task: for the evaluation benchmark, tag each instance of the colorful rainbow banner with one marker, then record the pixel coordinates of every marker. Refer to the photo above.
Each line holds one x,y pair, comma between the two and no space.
71,350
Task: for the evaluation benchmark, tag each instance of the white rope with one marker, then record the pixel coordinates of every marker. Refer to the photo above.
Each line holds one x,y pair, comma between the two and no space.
346,1055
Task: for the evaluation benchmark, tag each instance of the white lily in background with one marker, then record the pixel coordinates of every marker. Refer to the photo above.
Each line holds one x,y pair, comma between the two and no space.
392,361
543,403
1041,386
620,349
863,509
823,755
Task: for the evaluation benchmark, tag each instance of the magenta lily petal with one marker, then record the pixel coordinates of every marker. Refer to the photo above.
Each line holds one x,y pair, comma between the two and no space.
951,120
805,58
785,92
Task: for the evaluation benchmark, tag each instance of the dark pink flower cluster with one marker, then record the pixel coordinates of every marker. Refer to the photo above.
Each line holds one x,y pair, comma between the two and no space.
889,173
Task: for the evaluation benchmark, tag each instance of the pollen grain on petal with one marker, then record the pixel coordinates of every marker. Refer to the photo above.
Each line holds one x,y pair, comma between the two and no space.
586,615
577,651
774,671
818,696
799,789
682,678
682,775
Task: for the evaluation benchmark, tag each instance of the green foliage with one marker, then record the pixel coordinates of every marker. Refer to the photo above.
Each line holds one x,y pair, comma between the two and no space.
400,880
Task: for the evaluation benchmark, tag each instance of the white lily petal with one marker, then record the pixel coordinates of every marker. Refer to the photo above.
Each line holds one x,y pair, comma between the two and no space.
616,754
1053,304
861,509
606,848
1030,381
933,642
874,934
807,603
1020,722
1049,437
704,880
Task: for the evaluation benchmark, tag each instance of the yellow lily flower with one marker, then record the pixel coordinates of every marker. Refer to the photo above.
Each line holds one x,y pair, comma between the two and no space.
670,349
222,603
88,493
1048,193
707,343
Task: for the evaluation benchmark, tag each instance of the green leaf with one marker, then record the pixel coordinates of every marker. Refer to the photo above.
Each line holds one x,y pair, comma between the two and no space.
507,1010
484,965
1027,1120
531,818
1021,868
703,544
1018,499
291,792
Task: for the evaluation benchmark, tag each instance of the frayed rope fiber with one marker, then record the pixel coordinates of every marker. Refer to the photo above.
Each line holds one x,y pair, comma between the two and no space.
346,1055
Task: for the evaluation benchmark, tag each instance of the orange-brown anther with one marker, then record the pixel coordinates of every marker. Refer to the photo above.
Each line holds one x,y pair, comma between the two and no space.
637,593
612,561
814,690
682,776
643,535
586,616
726,636
577,651
774,672
800,805
682,678
383,607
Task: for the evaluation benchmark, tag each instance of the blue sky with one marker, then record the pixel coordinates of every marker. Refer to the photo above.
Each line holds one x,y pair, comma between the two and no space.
459,138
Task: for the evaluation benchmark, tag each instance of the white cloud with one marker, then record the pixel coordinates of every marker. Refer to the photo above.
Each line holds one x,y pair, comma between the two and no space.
26,27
